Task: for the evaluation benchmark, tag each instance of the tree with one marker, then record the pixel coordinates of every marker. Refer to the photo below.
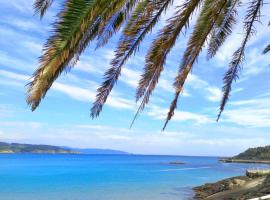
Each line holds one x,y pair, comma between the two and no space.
81,22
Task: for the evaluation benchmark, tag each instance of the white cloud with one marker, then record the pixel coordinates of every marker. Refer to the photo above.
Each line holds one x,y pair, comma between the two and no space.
211,93
15,63
22,24
256,63
225,53
76,92
86,65
15,76
33,47
130,77
25,6
161,114
21,124
86,95
249,113
215,94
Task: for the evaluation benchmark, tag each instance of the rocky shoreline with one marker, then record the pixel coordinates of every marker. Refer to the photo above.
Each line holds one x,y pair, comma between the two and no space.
235,188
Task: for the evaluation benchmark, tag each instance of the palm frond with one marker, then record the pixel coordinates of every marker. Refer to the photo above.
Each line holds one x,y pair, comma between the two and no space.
41,6
111,26
203,27
224,28
110,29
76,26
230,76
157,54
267,49
143,19
253,15
181,81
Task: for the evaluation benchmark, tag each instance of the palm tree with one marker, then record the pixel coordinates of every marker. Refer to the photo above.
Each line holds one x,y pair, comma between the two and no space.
81,22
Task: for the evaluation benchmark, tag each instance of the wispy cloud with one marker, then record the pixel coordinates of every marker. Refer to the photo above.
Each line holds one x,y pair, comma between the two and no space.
210,92
75,92
21,124
251,112
161,114
87,95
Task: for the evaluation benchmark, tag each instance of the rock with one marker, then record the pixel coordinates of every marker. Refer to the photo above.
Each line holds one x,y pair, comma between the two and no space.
208,189
239,182
176,163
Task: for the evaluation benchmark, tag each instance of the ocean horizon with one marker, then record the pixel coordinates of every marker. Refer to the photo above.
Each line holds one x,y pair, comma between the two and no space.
109,177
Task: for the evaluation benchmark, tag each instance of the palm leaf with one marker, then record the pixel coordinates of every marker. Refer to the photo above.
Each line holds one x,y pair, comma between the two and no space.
267,49
224,28
157,54
111,26
77,25
110,29
253,15
41,6
143,19
204,25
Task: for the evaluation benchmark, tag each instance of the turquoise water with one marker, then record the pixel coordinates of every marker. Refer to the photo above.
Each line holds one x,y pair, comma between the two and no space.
107,177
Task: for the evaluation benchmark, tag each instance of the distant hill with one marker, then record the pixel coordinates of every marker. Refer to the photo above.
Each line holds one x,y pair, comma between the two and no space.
31,148
259,153
101,151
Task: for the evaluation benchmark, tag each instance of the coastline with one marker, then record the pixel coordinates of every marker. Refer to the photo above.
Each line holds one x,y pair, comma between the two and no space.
232,160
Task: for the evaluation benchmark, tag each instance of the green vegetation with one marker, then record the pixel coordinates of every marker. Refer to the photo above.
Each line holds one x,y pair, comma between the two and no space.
259,153
30,148
252,155
81,22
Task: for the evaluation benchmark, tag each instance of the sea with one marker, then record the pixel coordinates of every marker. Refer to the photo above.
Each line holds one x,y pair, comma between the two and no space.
109,177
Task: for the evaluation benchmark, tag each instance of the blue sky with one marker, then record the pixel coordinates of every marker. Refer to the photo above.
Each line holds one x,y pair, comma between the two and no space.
63,117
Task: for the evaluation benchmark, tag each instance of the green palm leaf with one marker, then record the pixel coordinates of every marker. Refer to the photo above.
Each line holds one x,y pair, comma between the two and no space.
144,18
78,24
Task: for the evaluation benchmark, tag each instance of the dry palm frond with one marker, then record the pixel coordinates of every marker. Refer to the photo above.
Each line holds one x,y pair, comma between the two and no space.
157,54
223,28
77,25
144,18
253,15
204,25
41,6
